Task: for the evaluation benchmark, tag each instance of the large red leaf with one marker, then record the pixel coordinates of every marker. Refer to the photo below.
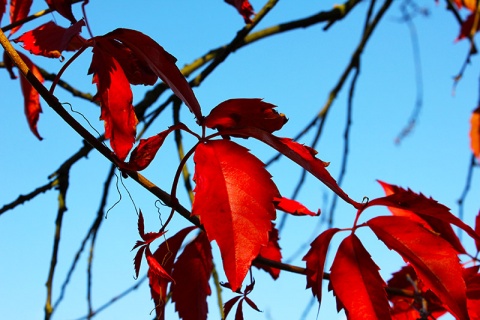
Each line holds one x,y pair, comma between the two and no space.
315,260
271,252
475,132
234,200
165,255
356,282
433,258
243,113
244,8
19,10
160,62
63,7
423,210
191,273
31,97
49,39
115,96
299,153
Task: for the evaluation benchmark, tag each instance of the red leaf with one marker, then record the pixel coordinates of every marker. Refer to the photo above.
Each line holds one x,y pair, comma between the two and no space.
165,256
315,260
299,153
433,258
155,268
232,186
160,62
191,273
272,252
19,10
356,282
49,39
293,207
115,96
424,211
244,113
63,7
31,97
244,8
146,150
475,132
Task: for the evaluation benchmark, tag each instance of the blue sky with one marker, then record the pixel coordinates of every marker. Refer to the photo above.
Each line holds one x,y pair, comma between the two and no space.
295,71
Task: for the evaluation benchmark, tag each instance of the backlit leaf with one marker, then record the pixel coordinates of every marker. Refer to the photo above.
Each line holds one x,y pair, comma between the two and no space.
19,10
160,62
244,8
115,96
475,132
357,283
31,97
293,207
49,39
315,260
234,201
425,211
436,264
146,150
243,113
191,273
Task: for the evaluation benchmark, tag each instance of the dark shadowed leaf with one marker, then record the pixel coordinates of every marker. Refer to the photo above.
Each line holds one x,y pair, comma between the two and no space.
272,252
191,273
63,7
160,62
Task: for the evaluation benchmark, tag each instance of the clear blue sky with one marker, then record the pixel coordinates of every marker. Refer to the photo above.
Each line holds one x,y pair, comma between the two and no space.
295,71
